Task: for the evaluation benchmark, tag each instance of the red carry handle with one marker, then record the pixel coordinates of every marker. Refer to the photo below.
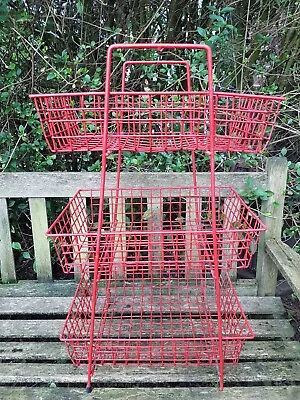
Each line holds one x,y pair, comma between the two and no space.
160,47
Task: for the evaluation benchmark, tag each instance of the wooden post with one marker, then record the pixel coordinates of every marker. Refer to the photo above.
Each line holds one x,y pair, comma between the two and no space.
155,223
231,211
194,264
7,263
117,219
80,243
41,245
272,216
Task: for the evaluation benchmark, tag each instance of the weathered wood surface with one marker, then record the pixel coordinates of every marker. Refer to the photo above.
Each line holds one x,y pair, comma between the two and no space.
57,288
39,223
261,350
65,184
50,329
31,355
7,263
272,216
287,261
19,306
251,372
243,287
191,393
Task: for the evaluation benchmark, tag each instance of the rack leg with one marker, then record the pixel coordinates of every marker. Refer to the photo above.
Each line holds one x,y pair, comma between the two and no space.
92,327
221,375
88,389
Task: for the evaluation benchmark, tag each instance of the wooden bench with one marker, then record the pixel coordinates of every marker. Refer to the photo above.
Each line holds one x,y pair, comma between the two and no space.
35,365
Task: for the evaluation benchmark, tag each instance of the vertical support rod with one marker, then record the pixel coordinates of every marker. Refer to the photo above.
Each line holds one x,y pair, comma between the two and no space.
212,134
272,216
91,367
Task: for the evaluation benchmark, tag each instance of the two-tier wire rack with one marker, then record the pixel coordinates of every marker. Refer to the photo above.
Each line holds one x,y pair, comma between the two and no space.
154,261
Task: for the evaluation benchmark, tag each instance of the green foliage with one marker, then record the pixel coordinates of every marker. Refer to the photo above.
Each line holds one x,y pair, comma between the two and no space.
255,194
61,46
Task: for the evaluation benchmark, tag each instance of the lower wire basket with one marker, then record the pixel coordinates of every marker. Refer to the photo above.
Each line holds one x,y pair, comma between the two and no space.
141,320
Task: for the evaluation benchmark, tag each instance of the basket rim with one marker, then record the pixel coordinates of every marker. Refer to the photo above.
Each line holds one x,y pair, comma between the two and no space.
187,93
235,195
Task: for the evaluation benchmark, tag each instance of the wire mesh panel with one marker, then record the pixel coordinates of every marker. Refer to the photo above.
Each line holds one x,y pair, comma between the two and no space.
143,321
153,231
157,121
244,122
71,121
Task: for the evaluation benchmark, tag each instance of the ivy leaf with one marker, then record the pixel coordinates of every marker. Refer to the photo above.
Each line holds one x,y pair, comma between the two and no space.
202,32
34,266
213,39
16,246
227,10
51,75
269,192
283,151
259,192
252,247
26,255
211,8
250,183
215,17
79,6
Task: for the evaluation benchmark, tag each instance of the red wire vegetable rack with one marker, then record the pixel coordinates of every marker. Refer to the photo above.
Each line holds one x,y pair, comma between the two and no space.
154,262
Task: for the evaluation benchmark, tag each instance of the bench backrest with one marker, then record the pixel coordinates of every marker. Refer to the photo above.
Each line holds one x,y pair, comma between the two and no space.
36,187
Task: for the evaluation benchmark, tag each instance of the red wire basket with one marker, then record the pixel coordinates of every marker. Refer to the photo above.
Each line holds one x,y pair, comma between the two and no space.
154,287
157,121
145,321
155,231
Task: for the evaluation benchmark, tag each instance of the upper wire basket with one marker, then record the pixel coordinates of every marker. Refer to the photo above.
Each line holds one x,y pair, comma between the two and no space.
156,121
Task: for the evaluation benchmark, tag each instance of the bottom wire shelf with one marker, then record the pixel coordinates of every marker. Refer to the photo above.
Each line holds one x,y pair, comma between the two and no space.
149,323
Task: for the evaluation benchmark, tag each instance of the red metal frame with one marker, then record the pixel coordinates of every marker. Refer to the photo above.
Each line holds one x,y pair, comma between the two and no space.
160,292
102,190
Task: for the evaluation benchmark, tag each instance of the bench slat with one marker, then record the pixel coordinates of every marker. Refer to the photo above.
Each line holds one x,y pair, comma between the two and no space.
60,305
50,329
196,393
65,184
287,261
56,351
243,287
67,373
